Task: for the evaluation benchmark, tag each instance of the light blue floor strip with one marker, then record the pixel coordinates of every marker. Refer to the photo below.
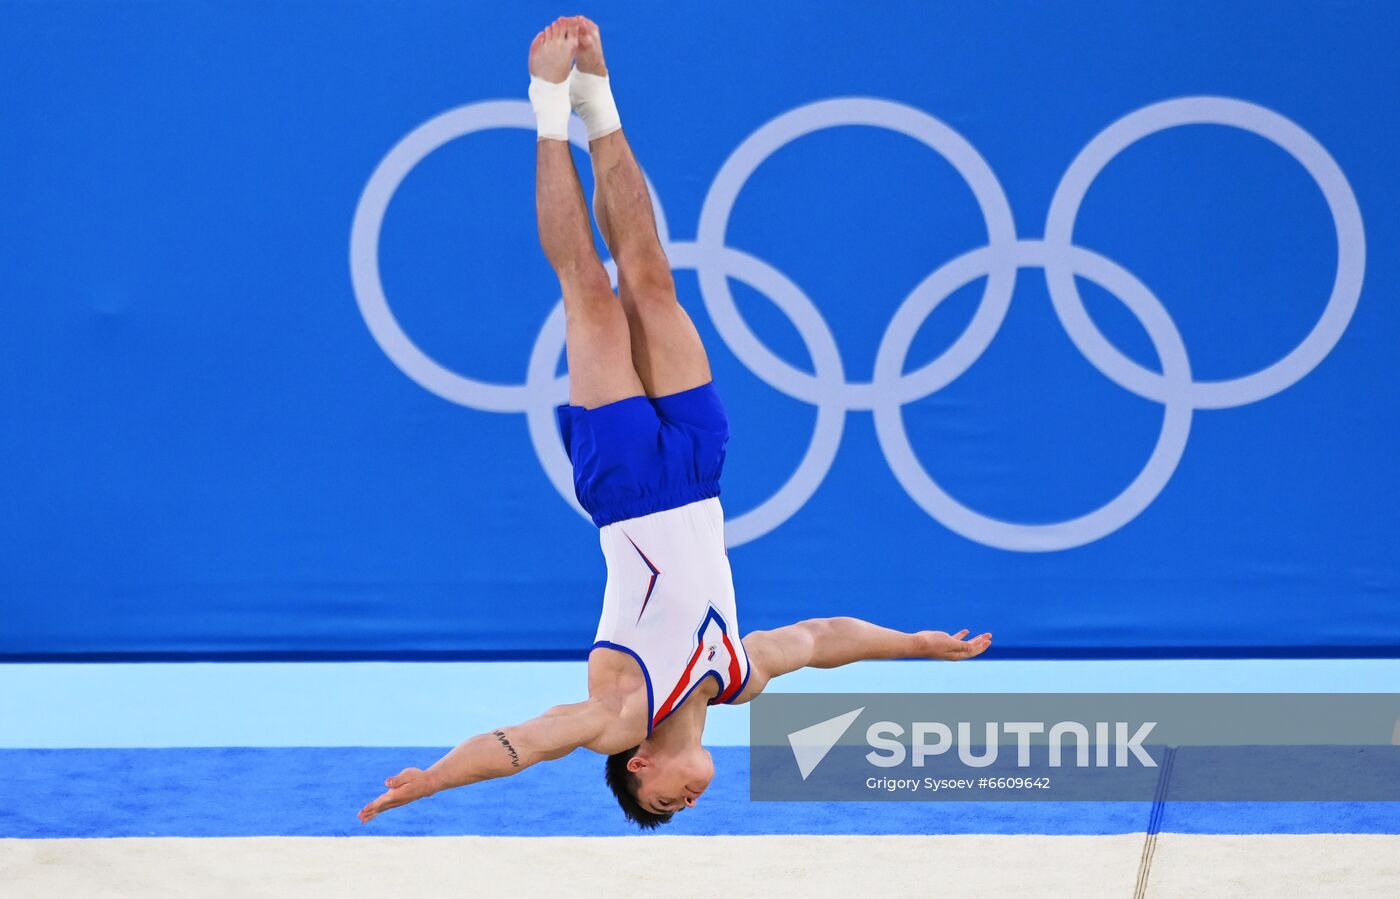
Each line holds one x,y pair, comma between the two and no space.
438,704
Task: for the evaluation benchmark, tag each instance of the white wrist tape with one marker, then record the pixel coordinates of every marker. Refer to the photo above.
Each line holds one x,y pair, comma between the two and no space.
550,101
591,97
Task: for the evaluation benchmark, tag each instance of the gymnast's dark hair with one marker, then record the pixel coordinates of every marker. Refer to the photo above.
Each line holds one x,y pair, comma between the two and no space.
623,783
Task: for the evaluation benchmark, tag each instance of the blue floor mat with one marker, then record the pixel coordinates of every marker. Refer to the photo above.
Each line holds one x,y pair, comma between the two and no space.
316,792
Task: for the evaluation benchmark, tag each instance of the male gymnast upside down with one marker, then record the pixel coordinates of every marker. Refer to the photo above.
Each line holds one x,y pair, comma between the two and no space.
646,433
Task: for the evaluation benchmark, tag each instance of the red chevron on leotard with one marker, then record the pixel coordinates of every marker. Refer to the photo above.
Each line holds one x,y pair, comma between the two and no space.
680,686
734,682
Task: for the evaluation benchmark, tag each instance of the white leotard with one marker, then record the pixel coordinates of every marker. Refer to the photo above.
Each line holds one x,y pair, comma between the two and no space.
669,603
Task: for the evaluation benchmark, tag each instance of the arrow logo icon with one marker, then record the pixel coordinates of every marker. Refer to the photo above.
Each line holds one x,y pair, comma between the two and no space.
811,744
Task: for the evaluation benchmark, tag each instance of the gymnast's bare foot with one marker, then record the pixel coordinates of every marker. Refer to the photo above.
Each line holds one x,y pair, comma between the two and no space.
552,51
590,47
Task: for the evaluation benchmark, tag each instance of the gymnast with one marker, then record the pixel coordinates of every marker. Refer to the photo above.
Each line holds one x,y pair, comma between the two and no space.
646,434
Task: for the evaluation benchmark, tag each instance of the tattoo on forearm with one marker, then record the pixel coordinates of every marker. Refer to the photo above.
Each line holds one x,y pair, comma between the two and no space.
514,756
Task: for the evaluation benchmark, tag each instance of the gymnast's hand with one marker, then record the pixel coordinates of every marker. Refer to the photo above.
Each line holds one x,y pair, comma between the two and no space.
595,724
951,647
410,784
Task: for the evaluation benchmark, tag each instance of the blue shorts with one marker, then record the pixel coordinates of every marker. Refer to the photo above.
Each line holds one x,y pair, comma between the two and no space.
646,454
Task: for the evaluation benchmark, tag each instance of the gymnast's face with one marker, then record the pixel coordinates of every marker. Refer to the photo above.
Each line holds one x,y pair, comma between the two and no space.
673,781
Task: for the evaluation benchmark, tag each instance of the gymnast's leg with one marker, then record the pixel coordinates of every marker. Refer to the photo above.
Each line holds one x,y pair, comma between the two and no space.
599,349
666,350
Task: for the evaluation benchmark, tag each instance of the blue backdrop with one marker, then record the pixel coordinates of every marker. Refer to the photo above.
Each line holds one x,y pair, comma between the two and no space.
234,428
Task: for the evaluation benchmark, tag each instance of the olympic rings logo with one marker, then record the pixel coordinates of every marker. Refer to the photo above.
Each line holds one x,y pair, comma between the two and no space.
890,388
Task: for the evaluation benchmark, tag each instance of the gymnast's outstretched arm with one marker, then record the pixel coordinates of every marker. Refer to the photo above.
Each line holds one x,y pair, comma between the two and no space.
833,642
594,724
